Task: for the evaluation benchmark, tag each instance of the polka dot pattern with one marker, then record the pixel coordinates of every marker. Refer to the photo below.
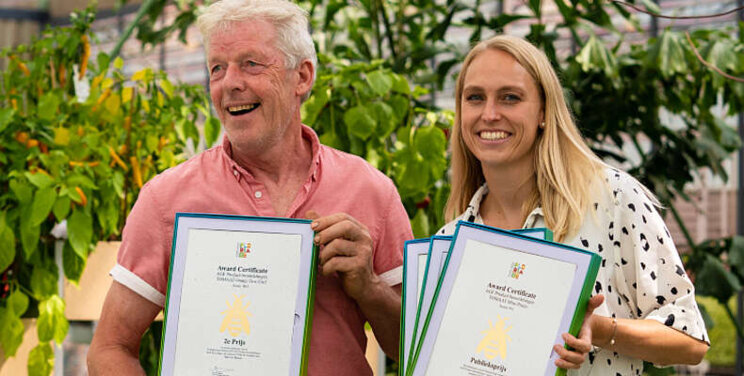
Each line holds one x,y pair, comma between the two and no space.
641,274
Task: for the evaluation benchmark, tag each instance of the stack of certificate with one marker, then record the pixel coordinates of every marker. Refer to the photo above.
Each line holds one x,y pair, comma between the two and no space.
240,296
490,302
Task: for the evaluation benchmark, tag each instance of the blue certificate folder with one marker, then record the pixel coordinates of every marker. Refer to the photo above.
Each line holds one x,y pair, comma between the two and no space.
240,296
488,313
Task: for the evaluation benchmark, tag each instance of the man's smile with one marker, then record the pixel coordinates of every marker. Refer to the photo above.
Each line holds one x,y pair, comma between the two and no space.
242,109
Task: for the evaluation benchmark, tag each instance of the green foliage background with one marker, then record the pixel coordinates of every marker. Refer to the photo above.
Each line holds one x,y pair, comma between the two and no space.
381,63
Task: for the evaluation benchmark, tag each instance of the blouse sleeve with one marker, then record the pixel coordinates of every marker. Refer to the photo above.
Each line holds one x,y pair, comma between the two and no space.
656,285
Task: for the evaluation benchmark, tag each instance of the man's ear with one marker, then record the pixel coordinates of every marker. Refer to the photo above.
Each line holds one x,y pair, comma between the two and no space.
306,76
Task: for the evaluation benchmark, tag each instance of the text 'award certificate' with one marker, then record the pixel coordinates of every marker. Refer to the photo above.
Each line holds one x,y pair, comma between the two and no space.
502,303
239,296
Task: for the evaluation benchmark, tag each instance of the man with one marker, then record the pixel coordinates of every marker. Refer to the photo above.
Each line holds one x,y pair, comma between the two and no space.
261,63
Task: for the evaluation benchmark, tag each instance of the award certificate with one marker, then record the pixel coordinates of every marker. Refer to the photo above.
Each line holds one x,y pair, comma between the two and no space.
414,266
440,247
239,296
502,302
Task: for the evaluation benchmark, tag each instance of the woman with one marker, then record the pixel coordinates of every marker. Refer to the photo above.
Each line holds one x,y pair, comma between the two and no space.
519,161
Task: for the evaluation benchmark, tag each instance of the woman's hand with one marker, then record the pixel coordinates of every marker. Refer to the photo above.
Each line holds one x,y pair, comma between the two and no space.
575,355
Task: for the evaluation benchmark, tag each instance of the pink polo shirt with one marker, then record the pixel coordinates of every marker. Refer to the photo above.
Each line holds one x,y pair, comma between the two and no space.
212,182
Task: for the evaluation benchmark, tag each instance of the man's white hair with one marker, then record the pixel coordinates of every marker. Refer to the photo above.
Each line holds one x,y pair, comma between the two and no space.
290,21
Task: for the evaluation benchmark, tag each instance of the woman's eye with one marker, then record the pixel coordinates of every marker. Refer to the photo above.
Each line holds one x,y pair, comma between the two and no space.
474,97
511,98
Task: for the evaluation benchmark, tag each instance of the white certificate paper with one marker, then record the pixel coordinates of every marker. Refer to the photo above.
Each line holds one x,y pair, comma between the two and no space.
495,317
502,302
238,298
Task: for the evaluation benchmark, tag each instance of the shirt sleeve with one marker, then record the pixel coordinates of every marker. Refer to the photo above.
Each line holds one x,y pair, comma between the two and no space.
395,229
144,255
656,284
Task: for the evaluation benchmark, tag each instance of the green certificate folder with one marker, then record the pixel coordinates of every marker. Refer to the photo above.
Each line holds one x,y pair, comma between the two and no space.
240,296
501,304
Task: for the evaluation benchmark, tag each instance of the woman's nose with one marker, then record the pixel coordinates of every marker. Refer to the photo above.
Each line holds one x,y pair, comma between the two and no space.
491,112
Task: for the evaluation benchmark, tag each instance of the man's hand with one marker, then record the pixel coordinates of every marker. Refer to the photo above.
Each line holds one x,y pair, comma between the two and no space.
345,249
580,346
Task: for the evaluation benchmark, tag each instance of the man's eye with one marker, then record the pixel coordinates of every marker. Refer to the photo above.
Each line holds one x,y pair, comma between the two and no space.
216,69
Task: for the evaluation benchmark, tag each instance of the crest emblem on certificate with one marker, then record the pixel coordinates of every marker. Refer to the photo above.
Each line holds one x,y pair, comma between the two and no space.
495,339
516,270
243,250
235,319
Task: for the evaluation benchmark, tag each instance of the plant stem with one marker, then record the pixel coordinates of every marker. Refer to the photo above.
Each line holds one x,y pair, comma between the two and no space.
682,226
128,32
388,30
736,323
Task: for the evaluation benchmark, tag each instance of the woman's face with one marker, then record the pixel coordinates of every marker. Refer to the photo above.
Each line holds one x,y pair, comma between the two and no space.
500,112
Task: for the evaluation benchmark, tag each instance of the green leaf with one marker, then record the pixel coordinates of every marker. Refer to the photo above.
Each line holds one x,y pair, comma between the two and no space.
118,63
52,324
29,235
61,136
211,130
595,56
18,303
420,224
40,179
359,122
6,115
42,205
43,282
48,106
103,60
430,142
714,280
151,142
61,207
7,244
380,82
11,331
314,105
41,360
167,87
383,115
72,263
400,84
668,54
80,231
21,190
736,254
535,7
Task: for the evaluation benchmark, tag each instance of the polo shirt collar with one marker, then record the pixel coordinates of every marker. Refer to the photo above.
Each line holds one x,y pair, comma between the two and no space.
307,134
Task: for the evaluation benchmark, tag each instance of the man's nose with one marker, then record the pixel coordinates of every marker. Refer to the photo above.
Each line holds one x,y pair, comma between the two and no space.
234,78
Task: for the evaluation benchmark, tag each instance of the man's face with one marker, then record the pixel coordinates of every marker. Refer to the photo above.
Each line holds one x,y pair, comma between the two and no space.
254,94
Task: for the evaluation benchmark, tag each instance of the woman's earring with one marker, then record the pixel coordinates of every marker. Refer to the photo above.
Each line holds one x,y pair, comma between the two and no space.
542,125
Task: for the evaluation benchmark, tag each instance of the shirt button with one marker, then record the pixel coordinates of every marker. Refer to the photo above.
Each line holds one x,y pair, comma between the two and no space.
258,194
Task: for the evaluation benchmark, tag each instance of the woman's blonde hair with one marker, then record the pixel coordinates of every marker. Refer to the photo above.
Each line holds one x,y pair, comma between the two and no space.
565,167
